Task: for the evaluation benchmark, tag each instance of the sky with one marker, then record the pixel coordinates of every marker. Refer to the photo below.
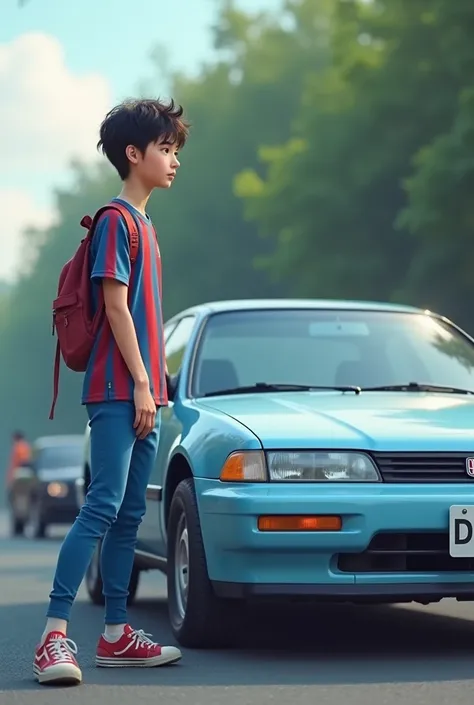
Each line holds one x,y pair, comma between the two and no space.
63,64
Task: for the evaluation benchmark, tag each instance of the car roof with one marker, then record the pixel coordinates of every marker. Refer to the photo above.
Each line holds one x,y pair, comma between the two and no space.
282,304
59,440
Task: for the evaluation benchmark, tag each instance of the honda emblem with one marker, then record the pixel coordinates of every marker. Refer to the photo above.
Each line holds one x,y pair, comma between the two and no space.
470,466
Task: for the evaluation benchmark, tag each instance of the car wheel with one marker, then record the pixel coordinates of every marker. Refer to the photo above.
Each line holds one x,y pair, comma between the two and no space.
35,526
198,618
94,584
17,526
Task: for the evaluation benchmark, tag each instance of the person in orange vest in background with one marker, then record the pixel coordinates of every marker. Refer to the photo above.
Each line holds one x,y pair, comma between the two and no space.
20,455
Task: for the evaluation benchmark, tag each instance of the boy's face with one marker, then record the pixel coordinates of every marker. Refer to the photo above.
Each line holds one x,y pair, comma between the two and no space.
158,166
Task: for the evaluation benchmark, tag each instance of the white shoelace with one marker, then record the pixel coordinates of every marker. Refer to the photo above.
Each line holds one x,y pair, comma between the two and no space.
61,649
138,638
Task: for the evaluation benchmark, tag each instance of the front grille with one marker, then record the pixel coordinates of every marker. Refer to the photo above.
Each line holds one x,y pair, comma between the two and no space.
405,553
423,467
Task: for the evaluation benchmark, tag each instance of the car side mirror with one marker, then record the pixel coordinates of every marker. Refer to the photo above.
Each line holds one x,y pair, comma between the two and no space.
171,386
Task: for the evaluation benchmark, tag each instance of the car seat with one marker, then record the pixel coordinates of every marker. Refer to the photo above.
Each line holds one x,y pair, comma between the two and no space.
216,375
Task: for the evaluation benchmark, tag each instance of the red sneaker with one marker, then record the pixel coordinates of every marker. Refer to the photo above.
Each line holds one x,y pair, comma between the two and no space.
55,661
134,648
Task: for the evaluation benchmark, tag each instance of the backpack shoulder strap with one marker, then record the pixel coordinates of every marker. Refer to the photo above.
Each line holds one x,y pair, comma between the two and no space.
129,220
131,226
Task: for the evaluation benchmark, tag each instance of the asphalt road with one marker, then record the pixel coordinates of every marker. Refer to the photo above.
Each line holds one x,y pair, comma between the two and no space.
358,656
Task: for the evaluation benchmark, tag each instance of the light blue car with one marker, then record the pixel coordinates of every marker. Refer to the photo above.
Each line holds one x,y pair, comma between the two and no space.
317,450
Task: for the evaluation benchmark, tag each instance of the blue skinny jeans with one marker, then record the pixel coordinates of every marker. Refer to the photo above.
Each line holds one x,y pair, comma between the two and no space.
114,508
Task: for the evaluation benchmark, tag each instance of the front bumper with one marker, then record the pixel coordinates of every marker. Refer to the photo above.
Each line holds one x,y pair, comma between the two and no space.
245,561
59,510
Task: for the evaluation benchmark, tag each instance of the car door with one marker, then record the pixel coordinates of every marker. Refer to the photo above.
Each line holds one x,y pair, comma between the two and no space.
151,534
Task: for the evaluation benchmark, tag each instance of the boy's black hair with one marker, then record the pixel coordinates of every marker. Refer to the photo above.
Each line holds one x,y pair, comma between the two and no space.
139,123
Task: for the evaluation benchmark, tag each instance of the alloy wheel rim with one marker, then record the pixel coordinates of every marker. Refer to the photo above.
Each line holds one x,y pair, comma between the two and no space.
182,567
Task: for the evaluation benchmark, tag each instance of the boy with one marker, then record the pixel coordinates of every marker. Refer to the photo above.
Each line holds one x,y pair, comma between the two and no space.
124,386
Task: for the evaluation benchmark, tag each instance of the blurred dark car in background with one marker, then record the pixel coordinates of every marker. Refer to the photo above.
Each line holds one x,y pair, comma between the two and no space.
43,492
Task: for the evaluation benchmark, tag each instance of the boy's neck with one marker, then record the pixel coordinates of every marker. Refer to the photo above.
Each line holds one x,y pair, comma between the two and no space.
136,195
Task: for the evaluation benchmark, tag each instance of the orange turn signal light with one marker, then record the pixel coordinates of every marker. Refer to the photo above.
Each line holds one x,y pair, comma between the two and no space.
299,523
244,466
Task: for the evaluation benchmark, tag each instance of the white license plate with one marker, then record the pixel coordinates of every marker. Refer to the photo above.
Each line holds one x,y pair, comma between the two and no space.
461,531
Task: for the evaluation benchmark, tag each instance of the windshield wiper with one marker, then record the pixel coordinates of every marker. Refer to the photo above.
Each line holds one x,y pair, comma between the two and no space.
418,387
266,387
262,387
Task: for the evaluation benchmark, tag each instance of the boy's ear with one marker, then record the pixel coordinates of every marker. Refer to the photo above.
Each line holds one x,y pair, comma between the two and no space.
131,153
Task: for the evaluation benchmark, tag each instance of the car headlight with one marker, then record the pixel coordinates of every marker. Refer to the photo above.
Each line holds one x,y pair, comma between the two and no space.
57,489
309,466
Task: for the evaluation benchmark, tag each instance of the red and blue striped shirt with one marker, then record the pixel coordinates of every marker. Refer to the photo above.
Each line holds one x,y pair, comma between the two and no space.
107,377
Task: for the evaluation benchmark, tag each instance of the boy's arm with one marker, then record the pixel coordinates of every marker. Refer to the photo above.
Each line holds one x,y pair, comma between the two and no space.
123,328
112,267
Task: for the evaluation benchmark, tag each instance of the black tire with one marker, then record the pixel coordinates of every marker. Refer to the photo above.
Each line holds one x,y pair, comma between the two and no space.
40,531
17,526
94,584
35,526
205,621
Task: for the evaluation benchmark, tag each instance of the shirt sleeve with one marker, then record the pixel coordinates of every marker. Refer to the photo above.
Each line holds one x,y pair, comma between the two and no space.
111,249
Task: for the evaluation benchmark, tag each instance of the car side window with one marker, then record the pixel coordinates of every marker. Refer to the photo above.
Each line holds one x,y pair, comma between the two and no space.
168,329
176,343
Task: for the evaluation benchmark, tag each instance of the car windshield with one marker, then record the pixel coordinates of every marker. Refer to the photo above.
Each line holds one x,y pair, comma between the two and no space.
56,457
330,348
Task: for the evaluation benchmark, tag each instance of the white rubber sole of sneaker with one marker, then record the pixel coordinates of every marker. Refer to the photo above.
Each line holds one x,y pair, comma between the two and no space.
62,674
164,660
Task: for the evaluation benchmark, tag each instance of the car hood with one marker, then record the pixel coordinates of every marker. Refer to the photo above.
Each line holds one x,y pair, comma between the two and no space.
64,474
370,420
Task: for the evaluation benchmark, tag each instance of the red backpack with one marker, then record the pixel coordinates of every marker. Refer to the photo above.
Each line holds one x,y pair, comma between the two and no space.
75,325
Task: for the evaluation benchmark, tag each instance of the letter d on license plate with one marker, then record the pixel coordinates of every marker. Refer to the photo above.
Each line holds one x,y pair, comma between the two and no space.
461,531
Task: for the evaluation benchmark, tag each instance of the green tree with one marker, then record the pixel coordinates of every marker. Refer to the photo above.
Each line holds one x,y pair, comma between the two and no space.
247,96
26,354
440,215
332,194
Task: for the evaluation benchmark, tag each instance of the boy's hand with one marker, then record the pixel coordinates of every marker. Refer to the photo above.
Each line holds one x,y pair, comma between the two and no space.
145,411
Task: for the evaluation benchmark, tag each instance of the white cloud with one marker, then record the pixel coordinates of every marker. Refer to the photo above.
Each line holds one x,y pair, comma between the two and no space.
48,116
18,211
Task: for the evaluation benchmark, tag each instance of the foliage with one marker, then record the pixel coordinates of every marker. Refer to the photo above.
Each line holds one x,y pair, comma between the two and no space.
208,249
331,154
334,195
